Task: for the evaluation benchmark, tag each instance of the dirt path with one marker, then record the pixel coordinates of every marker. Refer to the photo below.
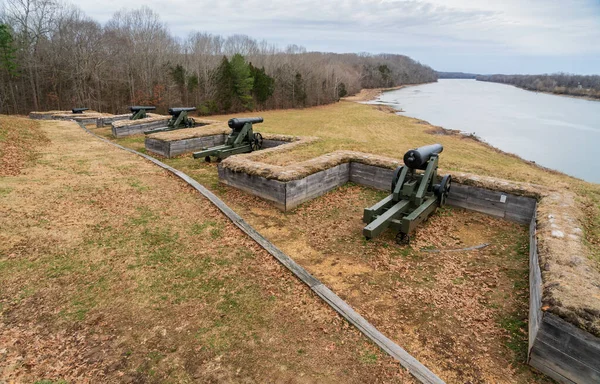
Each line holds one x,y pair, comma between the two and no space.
112,270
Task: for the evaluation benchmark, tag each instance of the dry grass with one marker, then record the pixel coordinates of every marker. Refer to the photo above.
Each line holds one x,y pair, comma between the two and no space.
19,141
356,127
112,270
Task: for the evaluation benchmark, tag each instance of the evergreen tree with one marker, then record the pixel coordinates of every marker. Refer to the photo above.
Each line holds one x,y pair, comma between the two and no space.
224,85
299,91
342,90
242,81
7,51
264,85
178,75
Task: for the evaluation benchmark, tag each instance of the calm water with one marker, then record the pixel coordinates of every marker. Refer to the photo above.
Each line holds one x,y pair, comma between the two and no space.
557,132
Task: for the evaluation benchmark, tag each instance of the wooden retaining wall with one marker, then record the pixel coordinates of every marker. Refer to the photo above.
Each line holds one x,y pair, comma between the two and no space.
557,348
102,121
288,195
174,148
134,129
177,147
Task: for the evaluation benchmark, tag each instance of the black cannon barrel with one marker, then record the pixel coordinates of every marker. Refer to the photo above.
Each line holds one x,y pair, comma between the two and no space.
239,122
418,157
137,108
178,110
79,110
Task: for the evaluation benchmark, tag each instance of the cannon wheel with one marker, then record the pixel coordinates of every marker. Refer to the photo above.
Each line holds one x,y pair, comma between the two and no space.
444,189
396,177
402,238
257,143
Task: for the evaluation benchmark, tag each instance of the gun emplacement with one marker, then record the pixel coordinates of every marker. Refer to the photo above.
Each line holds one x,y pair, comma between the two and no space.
179,119
177,111
139,111
237,123
242,139
79,110
414,196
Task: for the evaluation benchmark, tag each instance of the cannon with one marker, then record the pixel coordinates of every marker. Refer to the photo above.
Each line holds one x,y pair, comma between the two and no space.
241,140
79,110
179,119
416,192
139,112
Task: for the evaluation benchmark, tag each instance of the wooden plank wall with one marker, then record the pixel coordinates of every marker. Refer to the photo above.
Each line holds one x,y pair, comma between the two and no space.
371,176
565,352
177,147
317,184
272,190
535,285
503,205
134,129
102,121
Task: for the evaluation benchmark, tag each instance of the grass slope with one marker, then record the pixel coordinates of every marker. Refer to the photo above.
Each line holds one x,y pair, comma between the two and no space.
112,270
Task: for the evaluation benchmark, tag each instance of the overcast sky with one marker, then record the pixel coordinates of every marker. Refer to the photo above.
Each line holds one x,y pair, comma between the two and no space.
481,36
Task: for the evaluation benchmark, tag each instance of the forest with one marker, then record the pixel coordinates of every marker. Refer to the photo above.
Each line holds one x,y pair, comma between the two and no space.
54,57
559,83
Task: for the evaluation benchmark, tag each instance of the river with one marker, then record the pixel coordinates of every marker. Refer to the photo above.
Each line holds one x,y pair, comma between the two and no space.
558,132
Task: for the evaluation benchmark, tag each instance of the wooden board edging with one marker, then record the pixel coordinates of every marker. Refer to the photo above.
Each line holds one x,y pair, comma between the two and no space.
417,369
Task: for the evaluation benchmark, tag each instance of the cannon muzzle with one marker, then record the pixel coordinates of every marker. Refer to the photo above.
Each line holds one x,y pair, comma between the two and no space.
79,110
417,158
239,122
177,111
137,108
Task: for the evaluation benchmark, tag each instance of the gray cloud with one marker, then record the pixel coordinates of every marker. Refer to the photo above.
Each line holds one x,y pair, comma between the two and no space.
544,28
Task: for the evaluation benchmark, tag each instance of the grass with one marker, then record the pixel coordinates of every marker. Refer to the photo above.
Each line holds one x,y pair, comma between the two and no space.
126,271
358,127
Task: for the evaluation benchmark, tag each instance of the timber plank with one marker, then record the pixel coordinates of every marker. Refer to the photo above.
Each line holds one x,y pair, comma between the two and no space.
551,361
572,341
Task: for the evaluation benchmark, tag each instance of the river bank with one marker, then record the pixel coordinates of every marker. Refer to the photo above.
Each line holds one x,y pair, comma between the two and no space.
590,98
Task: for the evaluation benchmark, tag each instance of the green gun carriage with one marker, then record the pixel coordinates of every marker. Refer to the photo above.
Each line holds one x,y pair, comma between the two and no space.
414,195
179,120
242,139
139,111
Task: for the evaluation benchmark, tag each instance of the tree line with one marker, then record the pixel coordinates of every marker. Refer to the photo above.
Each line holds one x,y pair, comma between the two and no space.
559,83
52,56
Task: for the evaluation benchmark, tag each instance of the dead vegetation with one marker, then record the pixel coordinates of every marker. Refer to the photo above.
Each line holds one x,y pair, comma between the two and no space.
114,271
20,140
